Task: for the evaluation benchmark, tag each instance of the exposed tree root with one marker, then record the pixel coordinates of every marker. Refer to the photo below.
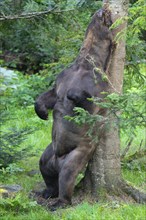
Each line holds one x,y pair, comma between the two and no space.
136,194
120,191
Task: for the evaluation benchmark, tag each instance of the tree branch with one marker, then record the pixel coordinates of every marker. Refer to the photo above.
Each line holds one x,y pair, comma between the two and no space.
31,15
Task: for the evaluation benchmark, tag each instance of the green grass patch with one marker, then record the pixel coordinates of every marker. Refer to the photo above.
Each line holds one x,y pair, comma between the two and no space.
136,178
85,211
139,141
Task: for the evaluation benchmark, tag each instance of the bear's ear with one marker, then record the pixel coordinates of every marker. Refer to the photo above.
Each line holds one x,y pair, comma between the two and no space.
44,102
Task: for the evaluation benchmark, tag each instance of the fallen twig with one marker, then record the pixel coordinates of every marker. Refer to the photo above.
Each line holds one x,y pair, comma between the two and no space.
140,145
127,148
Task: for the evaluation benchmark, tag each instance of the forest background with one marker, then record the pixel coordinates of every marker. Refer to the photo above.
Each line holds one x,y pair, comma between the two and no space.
36,46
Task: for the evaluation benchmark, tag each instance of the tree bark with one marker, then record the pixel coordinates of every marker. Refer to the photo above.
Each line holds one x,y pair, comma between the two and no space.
104,170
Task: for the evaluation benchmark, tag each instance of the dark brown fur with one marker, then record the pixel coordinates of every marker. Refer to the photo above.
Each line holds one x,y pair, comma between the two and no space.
71,149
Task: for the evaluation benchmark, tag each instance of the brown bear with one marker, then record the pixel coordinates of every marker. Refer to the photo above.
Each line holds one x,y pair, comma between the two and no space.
71,148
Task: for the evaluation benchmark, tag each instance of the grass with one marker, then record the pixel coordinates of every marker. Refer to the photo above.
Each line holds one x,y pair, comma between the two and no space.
135,177
23,208
85,211
135,145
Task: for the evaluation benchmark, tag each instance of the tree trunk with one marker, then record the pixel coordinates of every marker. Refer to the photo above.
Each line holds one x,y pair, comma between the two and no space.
104,170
